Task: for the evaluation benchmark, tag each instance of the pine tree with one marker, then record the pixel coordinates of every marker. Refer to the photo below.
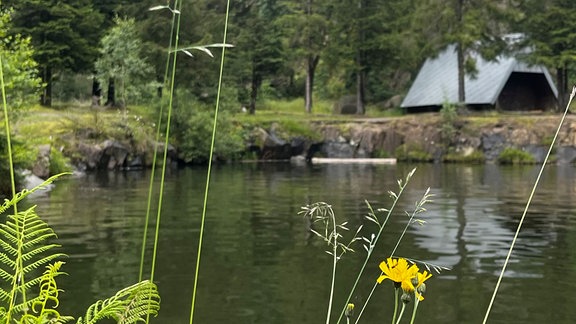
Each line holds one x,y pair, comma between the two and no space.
64,34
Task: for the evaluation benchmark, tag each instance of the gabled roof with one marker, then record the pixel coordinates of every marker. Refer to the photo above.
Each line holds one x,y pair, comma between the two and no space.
437,81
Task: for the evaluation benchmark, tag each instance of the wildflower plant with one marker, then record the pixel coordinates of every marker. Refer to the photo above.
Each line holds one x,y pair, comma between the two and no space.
404,272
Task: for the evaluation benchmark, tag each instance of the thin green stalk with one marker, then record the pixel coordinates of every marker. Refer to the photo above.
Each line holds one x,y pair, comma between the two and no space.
396,292
416,302
209,171
157,140
369,254
401,312
13,187
8,138
335,260
526,207
165,157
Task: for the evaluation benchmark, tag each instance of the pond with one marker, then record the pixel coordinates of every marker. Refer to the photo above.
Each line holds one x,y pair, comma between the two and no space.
260,265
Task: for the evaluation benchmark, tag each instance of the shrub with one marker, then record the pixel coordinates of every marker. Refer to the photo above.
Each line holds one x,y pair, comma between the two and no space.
473,157
412,153
448,115
192,132
515,156
58,162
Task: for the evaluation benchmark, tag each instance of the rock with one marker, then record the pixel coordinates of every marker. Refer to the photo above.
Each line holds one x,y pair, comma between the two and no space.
41,167
566,154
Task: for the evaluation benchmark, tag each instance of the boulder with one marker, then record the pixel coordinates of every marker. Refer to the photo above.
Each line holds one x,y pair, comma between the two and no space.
41,166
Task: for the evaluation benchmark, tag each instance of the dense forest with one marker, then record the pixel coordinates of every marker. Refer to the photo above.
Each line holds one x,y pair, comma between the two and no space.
371,49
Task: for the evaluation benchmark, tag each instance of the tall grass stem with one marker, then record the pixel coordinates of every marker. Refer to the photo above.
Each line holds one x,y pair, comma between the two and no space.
209,171
8,136
12,183
156,141
519,227
165,157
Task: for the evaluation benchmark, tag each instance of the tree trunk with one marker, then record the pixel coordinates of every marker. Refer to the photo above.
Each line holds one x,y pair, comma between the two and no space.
46,97
562,81
254,86
96,92
460,56
360,70
461,75
111,94
311,64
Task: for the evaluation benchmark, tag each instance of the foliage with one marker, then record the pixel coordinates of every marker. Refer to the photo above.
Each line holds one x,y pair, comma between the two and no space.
121,60
21,82
475,157
262,53
58,162
448,115
64,35
193,123
23,158
550,31
25,239
412,153
515,156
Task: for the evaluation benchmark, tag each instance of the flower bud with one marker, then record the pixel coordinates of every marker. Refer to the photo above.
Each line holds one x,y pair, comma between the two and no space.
422,288
349,310
406,298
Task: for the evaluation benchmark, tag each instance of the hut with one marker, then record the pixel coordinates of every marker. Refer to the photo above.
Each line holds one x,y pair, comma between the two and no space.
505,84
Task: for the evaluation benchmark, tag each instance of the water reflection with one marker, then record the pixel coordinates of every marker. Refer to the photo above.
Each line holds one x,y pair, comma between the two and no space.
259,267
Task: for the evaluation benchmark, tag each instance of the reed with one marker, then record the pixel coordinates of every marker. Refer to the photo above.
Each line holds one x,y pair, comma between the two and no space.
528,202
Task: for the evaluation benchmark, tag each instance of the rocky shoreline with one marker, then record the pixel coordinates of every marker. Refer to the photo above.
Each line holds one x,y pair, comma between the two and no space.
356,138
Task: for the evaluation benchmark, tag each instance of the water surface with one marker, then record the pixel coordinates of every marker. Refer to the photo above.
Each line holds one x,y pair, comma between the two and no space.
259,265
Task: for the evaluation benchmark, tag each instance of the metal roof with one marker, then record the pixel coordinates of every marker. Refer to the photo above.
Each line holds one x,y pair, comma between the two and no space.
437,81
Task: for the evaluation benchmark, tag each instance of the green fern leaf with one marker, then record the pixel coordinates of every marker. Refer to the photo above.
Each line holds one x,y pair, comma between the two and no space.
24,240
128,306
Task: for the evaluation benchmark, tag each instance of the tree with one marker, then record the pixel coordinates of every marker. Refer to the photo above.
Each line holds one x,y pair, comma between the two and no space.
121,61
471,25
307,23
22,87
550,31
259,39
64,34
370,41
20,71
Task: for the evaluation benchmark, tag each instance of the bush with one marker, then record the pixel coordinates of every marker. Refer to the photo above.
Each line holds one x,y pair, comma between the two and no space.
192,132
58,162
412,153
448,114
474,157
515,156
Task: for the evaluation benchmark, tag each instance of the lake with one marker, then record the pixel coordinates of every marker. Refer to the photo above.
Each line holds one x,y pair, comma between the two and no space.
260,265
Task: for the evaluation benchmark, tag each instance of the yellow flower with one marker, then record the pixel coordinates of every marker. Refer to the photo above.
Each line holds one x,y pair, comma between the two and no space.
400,272
419,283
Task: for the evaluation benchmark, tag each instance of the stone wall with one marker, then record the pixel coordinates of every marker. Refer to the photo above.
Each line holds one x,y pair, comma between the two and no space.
489,135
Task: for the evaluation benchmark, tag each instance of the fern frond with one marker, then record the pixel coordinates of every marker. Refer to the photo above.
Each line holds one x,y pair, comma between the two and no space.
23,238
24,193
128,306
39,263
5,259
48,295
